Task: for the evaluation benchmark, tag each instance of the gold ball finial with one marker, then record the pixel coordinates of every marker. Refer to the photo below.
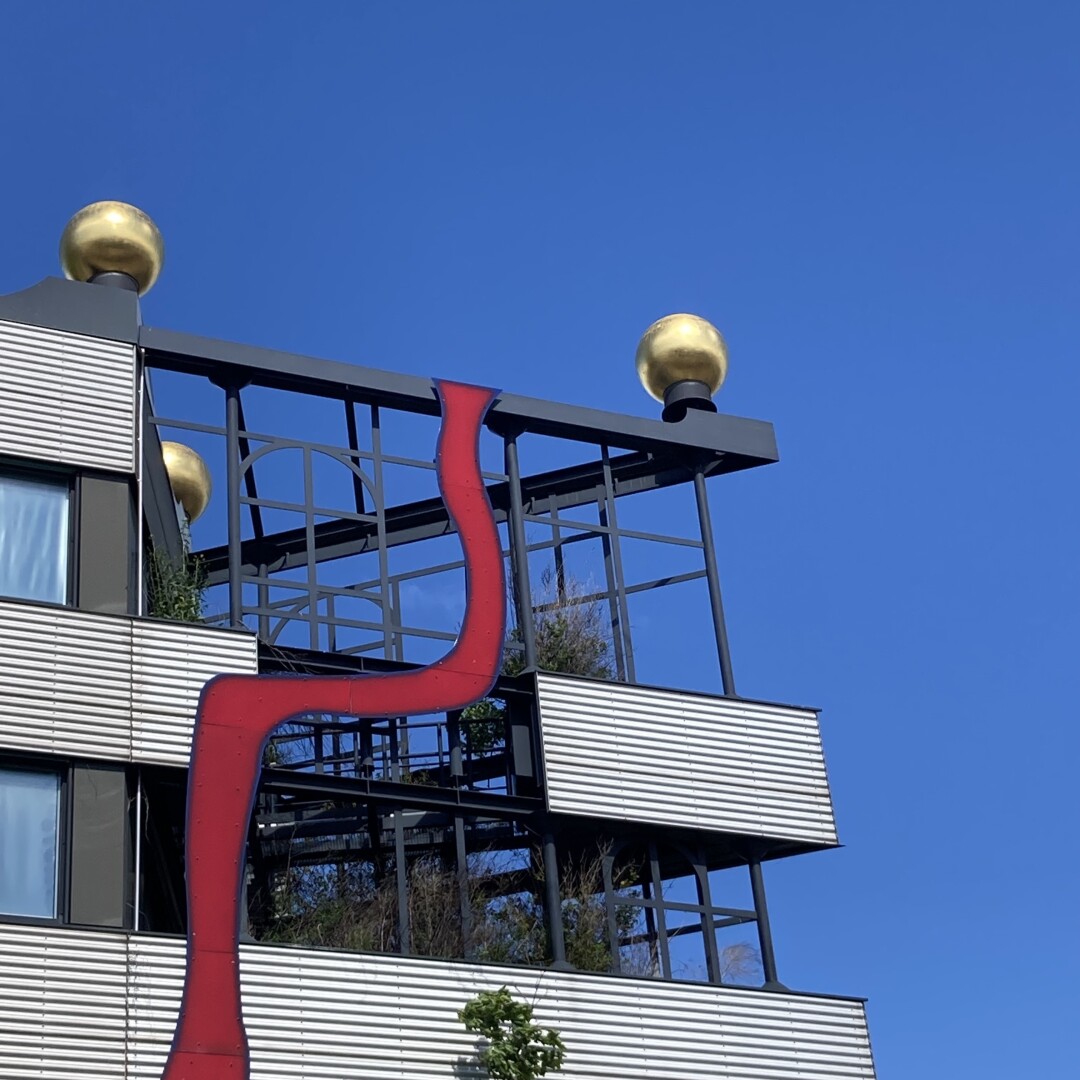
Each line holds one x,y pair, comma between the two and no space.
112,236
189,478
681,348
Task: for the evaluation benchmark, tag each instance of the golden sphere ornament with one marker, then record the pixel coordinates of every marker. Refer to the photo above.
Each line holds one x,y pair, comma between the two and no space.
112,237
189,478
681,348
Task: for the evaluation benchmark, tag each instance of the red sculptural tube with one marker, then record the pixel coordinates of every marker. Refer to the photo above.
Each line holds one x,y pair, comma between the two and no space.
237,713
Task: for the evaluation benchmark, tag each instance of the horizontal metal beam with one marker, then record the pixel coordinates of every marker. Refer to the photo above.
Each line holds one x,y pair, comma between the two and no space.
560,489
745,442
414,796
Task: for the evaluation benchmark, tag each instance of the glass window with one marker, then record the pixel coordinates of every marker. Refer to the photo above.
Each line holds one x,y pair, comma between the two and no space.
29,829
34,539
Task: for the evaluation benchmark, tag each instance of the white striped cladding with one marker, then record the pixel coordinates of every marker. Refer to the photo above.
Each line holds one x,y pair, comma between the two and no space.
673,758
103,1005
108,686
67,398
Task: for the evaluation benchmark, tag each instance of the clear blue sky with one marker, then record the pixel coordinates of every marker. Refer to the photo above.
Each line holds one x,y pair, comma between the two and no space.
878,206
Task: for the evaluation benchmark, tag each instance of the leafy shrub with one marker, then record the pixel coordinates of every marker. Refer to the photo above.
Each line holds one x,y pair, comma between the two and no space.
514,1047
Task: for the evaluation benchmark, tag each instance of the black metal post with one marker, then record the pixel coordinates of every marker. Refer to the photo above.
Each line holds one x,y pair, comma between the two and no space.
712,575
768,957
232,480
390,600
612,917
610,518
612,593
401,870
656,892
519,554
553,902
462,866
354,444
708,922
264,603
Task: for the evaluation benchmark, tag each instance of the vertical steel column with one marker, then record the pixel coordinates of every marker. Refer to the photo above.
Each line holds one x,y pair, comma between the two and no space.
657,895
708,919
519,554
232,482
391,602
612,593
401,871
354,444
264,603
612,915
553,901
712,575
611,519
309,553
768,957
556,548
453,738
462,861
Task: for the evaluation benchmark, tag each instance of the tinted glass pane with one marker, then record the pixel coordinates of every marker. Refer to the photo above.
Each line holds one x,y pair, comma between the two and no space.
33,539
29,819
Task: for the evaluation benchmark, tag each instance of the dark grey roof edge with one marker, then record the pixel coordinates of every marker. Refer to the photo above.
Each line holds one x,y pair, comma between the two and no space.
76,308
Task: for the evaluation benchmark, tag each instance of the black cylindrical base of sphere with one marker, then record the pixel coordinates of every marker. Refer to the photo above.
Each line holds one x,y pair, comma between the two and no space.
682,396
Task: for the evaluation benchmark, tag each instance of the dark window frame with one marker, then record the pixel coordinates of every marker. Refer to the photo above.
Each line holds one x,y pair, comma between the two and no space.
61,768
47,472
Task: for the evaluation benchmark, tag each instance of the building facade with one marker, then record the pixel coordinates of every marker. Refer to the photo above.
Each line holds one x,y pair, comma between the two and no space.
592,841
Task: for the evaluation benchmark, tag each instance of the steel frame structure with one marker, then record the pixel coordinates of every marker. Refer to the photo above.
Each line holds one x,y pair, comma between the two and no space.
631,456
571,504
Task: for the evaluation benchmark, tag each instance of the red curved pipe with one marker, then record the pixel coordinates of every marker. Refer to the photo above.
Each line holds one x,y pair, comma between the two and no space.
237,713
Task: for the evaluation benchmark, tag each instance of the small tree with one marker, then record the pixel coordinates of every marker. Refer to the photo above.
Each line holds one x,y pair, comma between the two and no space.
515,1048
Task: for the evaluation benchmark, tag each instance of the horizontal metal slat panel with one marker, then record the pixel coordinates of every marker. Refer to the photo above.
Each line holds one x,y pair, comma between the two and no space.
67,684
63,1004
324,1016
172,663
67,398
640,754
108,686
104,1005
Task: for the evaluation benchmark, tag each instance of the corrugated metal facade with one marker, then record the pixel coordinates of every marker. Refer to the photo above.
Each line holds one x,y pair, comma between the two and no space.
67,398
108,686
104,1005
666,757
171,663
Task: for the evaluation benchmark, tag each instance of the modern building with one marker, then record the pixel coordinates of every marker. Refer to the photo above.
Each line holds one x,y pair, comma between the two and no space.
594,842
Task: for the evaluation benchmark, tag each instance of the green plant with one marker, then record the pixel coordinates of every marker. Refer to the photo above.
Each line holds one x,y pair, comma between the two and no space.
515,1048
356,907
571,635
571,632
513,929
175,587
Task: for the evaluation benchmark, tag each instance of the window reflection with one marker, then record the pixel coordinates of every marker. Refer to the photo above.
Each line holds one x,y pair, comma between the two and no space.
29,825
33,539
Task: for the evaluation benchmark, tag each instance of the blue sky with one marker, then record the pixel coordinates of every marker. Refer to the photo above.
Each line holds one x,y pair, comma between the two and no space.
878,206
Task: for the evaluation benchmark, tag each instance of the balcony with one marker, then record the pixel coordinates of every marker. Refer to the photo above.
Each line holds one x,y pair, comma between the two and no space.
668,757
103,1005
